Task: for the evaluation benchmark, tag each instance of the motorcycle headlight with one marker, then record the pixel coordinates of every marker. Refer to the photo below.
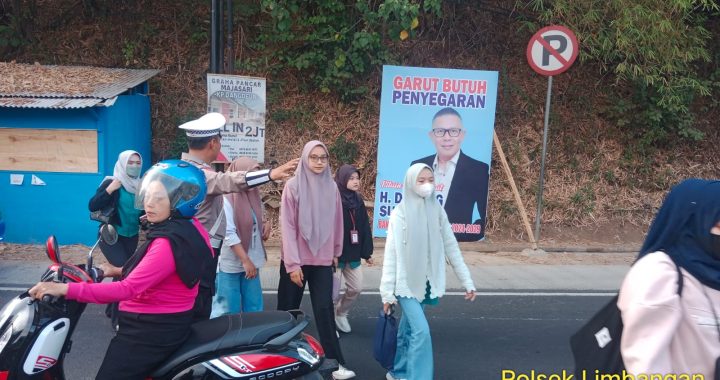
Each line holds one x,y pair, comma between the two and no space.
5,337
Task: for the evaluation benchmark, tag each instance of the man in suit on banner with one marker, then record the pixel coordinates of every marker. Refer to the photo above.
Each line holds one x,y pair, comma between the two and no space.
461,181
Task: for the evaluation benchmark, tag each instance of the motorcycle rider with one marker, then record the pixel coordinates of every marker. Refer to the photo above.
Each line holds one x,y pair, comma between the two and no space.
159,282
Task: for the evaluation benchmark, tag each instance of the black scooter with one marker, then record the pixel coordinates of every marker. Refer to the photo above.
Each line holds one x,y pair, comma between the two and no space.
35,336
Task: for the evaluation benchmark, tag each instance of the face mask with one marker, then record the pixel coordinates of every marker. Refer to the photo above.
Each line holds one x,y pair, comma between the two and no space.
424,190
133,171
715,246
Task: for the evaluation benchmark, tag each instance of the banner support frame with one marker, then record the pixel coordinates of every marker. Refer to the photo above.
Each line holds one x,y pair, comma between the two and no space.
516,193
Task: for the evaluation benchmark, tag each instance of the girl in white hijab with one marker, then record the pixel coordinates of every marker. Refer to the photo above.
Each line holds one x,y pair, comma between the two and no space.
419,240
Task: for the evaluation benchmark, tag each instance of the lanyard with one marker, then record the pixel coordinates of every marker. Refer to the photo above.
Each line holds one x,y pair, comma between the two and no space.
352,217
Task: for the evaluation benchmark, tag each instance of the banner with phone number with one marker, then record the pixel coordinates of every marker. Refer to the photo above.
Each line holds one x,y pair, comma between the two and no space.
243,103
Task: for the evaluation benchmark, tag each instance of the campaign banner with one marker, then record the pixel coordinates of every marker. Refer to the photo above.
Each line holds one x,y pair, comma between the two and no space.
242,101
443,118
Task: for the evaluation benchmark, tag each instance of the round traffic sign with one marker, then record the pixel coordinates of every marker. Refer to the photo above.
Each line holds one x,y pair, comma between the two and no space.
552,50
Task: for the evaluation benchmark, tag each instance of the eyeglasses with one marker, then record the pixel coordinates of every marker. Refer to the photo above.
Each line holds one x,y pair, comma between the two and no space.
440,132
322,159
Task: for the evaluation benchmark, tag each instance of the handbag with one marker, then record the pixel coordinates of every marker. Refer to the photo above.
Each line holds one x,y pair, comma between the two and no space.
596,345
104,214
385,340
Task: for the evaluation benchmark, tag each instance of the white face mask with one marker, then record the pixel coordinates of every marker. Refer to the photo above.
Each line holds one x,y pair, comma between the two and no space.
424,190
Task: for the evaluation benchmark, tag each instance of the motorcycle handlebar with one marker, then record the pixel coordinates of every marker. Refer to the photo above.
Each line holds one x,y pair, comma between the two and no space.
99,274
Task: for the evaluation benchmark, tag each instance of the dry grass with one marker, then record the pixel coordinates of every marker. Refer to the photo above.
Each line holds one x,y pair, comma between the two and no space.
590,184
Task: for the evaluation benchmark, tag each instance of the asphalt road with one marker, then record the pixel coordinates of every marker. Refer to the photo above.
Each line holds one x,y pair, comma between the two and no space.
500,331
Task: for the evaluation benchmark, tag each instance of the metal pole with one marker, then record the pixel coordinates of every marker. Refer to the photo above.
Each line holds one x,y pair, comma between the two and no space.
221,38
230,59
538,215
213,36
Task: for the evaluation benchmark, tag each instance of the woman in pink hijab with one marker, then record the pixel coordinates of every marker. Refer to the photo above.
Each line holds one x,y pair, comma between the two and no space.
312,239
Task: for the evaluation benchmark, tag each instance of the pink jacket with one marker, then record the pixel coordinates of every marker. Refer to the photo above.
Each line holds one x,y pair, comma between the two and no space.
295,250
153,287
667,333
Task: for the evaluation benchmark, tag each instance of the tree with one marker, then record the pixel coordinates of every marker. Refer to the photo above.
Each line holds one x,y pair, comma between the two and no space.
652,44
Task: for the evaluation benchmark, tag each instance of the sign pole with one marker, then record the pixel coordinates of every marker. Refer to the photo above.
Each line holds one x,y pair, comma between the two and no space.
550,52
538,214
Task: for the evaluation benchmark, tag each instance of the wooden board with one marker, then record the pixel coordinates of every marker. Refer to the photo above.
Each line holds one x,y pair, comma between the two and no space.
48,150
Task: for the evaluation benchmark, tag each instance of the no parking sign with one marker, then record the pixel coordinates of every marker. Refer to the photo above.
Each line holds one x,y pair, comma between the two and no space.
552,50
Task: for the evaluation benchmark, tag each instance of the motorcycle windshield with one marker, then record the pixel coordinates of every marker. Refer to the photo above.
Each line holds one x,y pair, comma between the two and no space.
19,313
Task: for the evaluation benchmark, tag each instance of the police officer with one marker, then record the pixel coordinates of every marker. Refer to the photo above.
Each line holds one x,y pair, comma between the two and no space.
203,137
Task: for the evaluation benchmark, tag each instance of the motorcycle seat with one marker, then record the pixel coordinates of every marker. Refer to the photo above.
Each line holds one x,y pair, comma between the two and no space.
229,331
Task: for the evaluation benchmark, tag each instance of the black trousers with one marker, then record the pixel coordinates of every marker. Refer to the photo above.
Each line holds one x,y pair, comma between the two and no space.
206,290
118,253
320,280
143,343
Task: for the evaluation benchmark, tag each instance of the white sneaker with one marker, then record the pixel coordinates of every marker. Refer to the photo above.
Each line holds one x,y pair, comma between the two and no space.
389,376
343,373
342,323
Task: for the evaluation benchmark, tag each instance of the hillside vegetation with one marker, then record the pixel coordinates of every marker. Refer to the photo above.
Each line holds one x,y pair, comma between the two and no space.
624,128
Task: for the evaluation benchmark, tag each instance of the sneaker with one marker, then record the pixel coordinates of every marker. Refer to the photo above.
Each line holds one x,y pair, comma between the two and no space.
342,323
389,376
343,373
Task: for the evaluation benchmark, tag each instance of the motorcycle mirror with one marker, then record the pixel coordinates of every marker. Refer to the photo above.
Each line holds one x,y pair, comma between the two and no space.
108,234
52,250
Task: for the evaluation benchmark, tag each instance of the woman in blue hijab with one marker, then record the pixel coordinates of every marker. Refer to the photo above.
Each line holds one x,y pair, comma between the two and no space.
667,332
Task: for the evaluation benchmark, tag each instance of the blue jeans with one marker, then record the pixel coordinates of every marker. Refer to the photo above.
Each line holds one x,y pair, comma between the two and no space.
236,294
414,356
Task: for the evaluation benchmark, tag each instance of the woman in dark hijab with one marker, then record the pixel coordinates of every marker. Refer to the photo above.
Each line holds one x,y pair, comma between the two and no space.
667,332
357,242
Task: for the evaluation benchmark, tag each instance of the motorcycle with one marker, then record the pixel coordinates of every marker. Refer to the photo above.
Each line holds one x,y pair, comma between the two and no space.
35,336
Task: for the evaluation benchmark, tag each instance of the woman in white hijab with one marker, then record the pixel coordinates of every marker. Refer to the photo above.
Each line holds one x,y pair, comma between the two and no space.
419,240
118,192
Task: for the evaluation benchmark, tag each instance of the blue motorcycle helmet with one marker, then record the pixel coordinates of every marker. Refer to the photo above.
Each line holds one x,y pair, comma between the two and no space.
184,183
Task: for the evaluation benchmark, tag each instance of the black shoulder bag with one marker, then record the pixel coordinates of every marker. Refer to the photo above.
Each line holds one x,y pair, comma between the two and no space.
596,346
104,214
717,326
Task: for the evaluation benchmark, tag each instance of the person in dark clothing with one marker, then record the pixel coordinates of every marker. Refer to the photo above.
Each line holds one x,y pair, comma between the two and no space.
461,181
357,242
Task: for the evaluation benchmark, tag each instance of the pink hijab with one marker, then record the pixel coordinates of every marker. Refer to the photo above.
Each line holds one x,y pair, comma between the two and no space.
316,199
245,201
